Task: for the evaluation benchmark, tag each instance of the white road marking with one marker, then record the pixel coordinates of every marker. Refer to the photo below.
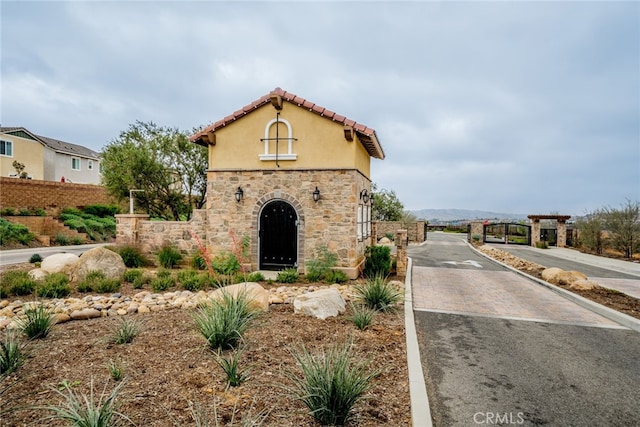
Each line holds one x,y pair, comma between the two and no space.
467,262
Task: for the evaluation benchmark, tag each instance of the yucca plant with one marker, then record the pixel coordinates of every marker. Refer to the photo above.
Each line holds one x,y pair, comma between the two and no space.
331,383
378,294
81,410
12,355
224,320
230,366
37,322
126,331
362,315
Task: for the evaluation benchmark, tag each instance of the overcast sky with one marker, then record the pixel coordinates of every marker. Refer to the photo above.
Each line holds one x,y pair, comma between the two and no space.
518,107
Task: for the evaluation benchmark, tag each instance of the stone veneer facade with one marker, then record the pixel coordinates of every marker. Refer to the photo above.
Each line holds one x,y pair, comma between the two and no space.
330,221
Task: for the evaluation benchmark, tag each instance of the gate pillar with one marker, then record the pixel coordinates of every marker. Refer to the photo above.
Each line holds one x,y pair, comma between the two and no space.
535,231
562,233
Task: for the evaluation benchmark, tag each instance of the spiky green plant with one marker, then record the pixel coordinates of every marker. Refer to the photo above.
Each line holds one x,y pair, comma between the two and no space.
378,294
81,410
116,369
230,366
126,331
332,382
362,316
12,355
223,321
37,321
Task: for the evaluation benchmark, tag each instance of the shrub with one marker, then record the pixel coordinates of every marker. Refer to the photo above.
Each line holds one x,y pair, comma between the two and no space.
60,239
126,331
81,410
390,236
235,376
198,262
290,275
132,256
10,233
191,280
378,261
85,287
55,285
318,268
161,284
8,212
37,321
362,316
476,237
169,256
331,383
17,283
222,322
256,276
378,294
139,282
226,263
12,355
35,258
108,286
132,274
542,245
335,276
101,211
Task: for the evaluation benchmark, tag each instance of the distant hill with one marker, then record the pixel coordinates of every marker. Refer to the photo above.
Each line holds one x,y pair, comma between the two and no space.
447,215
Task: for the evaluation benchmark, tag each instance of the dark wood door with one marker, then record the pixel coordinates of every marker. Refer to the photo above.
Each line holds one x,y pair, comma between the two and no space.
278,236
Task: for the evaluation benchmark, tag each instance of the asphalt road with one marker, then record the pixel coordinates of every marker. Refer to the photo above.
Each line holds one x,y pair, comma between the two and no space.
488,370
16,256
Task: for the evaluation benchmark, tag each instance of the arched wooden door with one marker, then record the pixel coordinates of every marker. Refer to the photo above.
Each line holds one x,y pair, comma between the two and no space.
278,234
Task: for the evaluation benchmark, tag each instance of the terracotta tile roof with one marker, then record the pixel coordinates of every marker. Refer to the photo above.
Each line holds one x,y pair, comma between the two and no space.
366,135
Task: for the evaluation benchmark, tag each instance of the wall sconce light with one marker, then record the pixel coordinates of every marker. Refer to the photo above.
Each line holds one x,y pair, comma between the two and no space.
316,194
364,196
239,194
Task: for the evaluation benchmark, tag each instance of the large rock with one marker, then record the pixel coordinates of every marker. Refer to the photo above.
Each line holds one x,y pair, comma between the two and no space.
551,274
257,295
37,274
321,304
584,285
99,259
59,263
568,278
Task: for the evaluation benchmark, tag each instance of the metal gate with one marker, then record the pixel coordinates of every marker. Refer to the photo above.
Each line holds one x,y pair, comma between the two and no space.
278,233
511,233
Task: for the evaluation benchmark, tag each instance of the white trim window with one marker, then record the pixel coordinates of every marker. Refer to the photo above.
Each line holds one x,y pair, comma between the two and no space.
90,165
272,153
6,148
75,164
360,223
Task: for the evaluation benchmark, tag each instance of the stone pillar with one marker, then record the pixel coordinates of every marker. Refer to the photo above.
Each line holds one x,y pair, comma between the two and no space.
401,252
374,233
535,232
127,231
562,233
477,229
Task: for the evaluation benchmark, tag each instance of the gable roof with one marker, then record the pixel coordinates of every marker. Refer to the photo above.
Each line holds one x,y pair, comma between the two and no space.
367,136
55,144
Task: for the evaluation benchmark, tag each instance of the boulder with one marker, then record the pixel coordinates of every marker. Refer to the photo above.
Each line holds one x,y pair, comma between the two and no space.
384,241
584,285
320,304
59,263
257,295
99,259
567,278
551,274
37,274
84,314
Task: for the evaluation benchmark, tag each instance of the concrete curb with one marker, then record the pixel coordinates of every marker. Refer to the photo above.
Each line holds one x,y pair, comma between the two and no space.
616,316
420,412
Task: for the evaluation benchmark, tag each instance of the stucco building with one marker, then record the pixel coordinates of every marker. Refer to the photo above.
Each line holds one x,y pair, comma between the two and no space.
285,174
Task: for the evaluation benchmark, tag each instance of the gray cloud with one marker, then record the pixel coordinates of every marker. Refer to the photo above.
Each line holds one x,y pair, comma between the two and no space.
503,106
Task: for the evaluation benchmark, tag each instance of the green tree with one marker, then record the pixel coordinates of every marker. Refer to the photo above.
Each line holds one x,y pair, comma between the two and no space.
624,227
591,232
163,163
386,206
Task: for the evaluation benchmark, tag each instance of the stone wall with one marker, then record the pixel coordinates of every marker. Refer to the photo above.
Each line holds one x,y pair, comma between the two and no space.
415,231
331,221
49,195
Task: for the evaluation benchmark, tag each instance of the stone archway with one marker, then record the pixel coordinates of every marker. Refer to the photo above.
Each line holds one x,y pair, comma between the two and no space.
561,227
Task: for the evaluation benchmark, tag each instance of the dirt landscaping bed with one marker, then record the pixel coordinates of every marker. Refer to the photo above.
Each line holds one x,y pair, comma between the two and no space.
169,369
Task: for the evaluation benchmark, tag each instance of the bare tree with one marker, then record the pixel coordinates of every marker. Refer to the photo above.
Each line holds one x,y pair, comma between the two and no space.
624,227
